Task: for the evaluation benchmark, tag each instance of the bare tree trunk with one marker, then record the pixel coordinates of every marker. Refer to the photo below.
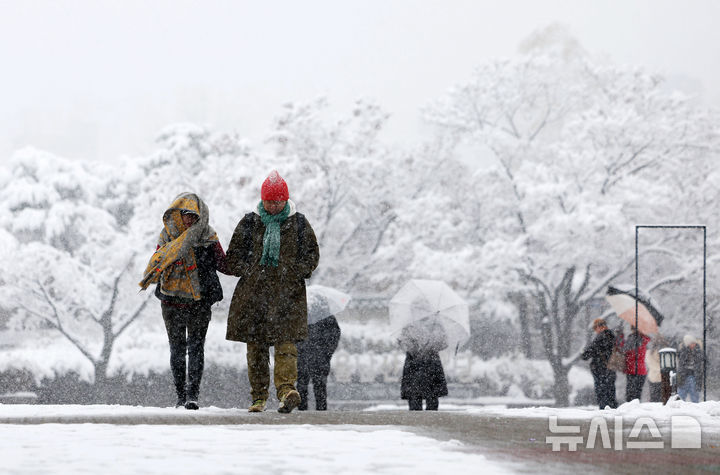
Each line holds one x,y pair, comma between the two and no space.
103,360
558,310
100,372
561,389
561,384
521,302
525,341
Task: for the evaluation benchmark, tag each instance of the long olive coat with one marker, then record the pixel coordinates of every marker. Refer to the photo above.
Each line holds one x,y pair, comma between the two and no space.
269,303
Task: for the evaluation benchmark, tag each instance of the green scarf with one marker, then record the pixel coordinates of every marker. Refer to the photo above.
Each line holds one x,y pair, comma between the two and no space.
271,238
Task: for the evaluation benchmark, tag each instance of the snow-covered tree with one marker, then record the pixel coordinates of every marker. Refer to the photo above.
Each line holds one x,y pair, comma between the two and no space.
582,153
220,168
344,179
68,251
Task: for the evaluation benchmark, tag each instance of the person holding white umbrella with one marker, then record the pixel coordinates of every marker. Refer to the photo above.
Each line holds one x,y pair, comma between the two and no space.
316,351
423,375
428,317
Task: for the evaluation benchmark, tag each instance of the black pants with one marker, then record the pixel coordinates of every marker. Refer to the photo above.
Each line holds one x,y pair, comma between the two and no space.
605,388
655,392
319,384
431,403
635,383
186,328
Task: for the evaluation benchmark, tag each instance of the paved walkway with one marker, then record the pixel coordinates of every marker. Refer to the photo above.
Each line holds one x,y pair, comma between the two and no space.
507,439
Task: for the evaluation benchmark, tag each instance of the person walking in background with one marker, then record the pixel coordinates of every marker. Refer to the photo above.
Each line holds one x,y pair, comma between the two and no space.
598,352
634,348
273,250
314,355
652,362
690,369
185,266
423,375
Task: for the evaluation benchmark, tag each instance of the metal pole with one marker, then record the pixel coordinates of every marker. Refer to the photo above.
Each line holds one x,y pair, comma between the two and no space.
637,341
704,313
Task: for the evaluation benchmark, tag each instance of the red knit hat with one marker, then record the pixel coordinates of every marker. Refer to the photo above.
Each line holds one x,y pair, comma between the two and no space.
274,188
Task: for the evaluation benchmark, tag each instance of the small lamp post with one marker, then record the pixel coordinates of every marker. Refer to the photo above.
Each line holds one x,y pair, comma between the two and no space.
668,358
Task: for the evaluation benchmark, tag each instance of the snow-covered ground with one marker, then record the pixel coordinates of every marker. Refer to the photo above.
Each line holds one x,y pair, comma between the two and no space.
113,449
707,414
227,448
144,444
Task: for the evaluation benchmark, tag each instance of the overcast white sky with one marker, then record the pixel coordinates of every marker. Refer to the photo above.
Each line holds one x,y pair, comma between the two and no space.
98,79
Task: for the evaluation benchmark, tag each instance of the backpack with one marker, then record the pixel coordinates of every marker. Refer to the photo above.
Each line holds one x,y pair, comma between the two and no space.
616,361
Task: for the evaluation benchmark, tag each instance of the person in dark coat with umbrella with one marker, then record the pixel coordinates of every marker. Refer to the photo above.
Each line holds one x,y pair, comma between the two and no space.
314,355
598,352
423,375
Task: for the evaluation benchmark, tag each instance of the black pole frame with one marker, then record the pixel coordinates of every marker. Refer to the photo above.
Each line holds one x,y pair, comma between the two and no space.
637,254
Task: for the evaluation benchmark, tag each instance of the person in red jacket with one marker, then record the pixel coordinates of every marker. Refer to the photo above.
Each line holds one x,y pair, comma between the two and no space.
635,370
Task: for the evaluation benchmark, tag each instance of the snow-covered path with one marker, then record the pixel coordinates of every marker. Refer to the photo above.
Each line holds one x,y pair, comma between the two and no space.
232,449
122,439
385,439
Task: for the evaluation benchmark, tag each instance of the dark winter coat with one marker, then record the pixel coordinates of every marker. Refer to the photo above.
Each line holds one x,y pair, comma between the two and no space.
690,362
423,375
315,352
209,260
269,304
599,351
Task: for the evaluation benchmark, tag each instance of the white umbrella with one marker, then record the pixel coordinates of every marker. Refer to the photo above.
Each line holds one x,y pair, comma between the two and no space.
324,301
431,300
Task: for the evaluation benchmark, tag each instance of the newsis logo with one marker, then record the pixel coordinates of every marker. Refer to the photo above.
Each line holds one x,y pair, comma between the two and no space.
685,433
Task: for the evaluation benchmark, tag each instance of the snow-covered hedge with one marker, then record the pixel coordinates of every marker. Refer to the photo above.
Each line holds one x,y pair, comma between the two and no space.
367,354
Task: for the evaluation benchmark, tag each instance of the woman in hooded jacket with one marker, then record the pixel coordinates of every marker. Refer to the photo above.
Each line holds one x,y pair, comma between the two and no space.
184,267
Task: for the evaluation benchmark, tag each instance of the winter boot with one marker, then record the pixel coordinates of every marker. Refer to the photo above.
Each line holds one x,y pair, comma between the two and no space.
180,402
289,401
192,405
258,405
